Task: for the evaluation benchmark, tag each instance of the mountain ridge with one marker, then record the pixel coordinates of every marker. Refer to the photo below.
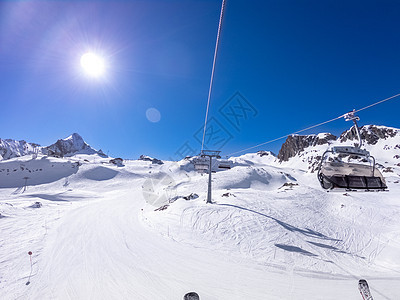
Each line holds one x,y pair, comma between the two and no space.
295,145
70,145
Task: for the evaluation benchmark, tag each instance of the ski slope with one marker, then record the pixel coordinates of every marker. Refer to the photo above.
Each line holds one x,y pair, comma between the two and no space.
108,232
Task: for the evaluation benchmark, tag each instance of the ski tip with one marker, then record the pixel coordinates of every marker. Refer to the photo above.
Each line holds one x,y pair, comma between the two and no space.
364,289
191,296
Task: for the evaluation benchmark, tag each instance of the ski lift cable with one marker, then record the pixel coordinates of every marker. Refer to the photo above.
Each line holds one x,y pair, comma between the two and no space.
376,103
212,72
314,126
284,136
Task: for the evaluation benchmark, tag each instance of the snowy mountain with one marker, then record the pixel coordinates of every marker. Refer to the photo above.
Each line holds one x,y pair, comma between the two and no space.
74,144
142,230
153,160
12,148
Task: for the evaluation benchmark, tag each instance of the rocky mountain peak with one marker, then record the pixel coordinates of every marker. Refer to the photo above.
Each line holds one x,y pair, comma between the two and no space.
294,144
70,145
370,134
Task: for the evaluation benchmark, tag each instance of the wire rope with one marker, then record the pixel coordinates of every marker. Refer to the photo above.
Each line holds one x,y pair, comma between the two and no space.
212,72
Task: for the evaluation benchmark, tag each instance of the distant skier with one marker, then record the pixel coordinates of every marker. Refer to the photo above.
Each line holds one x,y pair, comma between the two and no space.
191,296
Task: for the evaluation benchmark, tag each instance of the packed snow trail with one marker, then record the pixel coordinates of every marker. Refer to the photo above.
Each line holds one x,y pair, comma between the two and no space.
102,251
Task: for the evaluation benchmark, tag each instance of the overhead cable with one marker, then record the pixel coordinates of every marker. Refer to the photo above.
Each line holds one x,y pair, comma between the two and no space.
314,126
212,72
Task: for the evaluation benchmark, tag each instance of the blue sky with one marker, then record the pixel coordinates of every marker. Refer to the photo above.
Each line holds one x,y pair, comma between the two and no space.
289,64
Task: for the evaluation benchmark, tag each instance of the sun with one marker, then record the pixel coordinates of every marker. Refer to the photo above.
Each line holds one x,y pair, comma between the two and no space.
93,64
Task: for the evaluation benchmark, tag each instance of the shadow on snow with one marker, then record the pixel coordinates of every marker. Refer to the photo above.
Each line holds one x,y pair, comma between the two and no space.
295,249
306,231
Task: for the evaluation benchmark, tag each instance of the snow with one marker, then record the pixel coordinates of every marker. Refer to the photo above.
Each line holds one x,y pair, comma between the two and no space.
12,148
108,232
322,135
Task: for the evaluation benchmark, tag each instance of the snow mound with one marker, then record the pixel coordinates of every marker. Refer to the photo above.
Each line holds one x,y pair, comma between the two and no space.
259,158
100,173
249,177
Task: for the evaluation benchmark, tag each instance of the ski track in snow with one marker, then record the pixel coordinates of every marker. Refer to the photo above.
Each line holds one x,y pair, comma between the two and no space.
96,237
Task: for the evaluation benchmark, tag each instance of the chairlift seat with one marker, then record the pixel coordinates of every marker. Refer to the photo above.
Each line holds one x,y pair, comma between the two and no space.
351,176
201,164
201,167
224,164
355,182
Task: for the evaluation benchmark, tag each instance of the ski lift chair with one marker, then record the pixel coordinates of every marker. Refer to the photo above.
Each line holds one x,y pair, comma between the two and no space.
201,164
224,164
350,176
339,174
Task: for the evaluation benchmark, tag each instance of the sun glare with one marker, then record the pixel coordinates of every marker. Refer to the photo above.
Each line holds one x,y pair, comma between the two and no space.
92,64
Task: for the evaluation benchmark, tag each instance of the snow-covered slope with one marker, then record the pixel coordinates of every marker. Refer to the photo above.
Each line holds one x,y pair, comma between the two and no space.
142,230
22,172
